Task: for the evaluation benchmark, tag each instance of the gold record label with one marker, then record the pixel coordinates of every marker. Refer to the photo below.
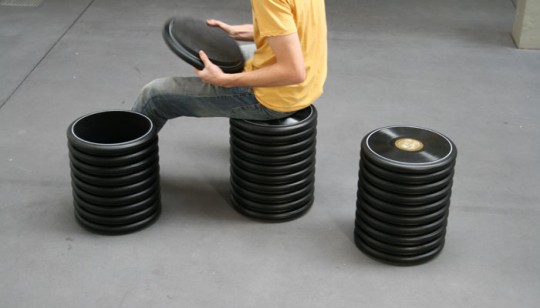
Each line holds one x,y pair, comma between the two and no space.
409,144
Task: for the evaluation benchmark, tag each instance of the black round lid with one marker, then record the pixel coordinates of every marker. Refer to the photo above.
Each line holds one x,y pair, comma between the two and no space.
409,147
187,36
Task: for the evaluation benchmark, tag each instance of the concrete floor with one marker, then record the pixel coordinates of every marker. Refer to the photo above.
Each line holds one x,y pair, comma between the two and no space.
447,65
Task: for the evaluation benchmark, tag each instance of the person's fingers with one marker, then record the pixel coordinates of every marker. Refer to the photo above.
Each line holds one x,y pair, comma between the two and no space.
213,22
218,23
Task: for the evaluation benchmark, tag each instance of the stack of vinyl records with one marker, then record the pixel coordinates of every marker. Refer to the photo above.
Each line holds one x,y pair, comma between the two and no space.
403,197
115,171
273,166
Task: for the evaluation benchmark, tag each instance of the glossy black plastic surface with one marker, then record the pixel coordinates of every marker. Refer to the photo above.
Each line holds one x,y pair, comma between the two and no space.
187,36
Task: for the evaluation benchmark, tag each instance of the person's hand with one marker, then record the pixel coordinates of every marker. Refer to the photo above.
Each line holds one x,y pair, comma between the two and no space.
211,73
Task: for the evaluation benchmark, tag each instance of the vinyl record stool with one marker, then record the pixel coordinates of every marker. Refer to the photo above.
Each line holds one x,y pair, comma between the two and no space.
403,197
273,166
114,171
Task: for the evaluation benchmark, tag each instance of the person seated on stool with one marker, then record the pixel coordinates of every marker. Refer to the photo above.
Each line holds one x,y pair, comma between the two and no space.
286,72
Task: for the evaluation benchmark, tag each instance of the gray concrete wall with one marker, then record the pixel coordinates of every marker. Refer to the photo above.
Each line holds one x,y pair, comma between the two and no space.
526,30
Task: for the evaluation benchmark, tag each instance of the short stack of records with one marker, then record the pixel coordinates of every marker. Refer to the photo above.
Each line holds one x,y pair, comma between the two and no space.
403,197
273,166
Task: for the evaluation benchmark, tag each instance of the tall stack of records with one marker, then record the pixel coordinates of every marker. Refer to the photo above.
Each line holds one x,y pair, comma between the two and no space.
403,196
273,166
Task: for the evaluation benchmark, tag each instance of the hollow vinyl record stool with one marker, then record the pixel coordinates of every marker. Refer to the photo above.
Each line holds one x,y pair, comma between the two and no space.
114,165
272,165
186,36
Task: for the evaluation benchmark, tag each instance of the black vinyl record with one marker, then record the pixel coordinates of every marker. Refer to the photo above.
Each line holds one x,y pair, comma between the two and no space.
271,208
119,191
408,178
113,161
397,259
269,188
117,229
400,209
404,200
400,219
273,169
269,216
117,210
273,160
240,132
403,188
187,36
400,240
116,220
271,199
114,181
397,249
280,179
409,149
401,230
272,150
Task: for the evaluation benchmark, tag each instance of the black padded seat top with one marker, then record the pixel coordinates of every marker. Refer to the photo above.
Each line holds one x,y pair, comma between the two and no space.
294,119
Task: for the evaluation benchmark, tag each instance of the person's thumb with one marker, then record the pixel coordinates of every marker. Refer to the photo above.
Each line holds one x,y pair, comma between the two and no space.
204,58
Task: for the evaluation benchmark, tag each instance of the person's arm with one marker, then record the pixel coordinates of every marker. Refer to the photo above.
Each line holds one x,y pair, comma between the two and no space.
288,69
237,32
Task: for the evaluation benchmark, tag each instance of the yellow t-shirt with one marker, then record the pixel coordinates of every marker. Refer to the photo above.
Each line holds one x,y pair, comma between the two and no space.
283,17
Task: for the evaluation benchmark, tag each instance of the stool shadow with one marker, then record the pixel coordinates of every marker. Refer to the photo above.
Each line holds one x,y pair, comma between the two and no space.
347,227
187,197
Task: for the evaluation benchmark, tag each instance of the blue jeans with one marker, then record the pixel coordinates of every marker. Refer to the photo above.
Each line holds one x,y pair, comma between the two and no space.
172,97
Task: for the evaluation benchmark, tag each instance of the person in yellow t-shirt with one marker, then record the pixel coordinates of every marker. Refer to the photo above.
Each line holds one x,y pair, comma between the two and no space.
286,72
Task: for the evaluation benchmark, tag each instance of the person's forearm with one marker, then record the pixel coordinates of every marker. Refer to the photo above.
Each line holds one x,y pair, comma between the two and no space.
271,76
288,68
242,32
